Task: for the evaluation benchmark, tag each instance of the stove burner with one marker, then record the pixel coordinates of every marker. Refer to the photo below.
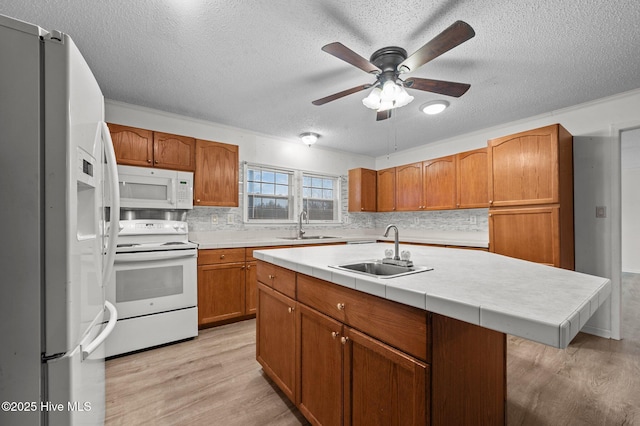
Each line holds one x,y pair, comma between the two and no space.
127,245
173,243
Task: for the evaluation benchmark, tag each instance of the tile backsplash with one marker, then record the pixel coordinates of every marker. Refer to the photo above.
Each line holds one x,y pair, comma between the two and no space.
230,219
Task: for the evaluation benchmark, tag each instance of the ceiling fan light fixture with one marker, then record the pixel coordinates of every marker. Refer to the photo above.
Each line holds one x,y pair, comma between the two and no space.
390,91
309,138
403,98
434,107
373,100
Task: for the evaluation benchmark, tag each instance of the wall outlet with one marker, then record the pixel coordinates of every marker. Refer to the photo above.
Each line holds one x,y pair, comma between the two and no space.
214,219
601,212
229,218
416,220
472,220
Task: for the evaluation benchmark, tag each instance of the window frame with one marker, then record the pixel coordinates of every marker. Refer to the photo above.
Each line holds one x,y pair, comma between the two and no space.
296,195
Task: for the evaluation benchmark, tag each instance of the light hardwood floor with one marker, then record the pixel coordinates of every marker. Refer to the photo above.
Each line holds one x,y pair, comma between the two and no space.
215,380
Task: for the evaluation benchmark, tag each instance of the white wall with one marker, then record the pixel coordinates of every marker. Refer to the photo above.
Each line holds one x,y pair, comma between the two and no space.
594,126
631,201
254,147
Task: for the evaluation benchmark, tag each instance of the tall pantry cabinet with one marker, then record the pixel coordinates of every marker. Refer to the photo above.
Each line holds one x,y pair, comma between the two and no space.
531,196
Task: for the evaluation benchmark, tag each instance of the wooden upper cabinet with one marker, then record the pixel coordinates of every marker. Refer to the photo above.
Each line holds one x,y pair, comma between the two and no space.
439,177
409,194
216,176
141,147
526,168
174,152
472,179
362,190
387,190
133,146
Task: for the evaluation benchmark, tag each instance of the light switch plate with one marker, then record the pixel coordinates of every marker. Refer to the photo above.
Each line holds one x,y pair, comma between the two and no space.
601,212
229,218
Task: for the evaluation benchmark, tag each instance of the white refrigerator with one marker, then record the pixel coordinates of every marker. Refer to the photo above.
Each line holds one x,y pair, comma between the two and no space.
56,251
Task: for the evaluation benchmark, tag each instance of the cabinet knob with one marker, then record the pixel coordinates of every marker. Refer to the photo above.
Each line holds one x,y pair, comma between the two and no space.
148,161
198,200
248,266
156,161
340,306
242,267
290,309
344,340
271,277
222,256
335,334
361,208
490,201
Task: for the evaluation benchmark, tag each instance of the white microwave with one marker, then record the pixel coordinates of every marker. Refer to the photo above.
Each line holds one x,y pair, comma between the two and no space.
151,188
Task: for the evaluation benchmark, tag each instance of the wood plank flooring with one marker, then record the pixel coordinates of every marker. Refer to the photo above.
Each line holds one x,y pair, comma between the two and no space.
215,380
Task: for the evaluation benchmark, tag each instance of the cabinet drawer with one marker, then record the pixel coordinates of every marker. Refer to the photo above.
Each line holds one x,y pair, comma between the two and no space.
227,255
398,325
280,279
250,250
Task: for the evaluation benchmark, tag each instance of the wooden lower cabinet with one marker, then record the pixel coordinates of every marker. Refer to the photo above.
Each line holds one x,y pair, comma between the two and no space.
221,292
339,374
275,338
382,386
320,358
251,290
536,234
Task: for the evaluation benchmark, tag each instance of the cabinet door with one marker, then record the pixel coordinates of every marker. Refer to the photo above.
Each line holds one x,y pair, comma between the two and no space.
275,338
362,190
319,358
523,168
472,179
221,292
216,176
409,187
383,386
174,152
251,282
530,233
133,146
387,190
440,183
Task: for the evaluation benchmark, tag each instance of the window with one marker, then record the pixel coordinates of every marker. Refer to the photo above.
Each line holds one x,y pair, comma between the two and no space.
278,196
319,197
269,194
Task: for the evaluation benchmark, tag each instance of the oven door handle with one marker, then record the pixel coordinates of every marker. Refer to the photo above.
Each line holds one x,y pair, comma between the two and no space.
154,255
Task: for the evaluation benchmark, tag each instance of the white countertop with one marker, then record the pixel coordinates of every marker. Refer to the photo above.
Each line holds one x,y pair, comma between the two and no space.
259,237
533,301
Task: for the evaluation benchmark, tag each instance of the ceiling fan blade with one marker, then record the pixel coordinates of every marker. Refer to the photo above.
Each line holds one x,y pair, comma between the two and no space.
448,88
383,115
456,34
339,95
341,51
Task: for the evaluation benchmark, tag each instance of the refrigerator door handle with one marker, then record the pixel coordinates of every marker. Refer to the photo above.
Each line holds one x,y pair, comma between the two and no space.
115,203
113,317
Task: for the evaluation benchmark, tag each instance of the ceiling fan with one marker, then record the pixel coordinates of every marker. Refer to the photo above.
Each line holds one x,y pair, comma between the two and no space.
388,63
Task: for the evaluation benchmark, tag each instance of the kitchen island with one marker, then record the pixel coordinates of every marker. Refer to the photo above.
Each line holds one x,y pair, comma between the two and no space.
425,348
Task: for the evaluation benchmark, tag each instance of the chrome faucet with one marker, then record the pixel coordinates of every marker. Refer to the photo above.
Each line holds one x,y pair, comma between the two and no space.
396,242
304,214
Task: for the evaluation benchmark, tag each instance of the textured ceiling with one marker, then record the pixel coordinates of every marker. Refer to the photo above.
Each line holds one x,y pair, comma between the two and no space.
257,65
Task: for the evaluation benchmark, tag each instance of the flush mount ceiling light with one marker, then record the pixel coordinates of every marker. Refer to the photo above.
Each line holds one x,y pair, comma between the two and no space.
434,107
309,138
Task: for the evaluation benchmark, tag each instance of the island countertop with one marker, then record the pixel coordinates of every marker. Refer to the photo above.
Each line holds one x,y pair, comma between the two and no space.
533,301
